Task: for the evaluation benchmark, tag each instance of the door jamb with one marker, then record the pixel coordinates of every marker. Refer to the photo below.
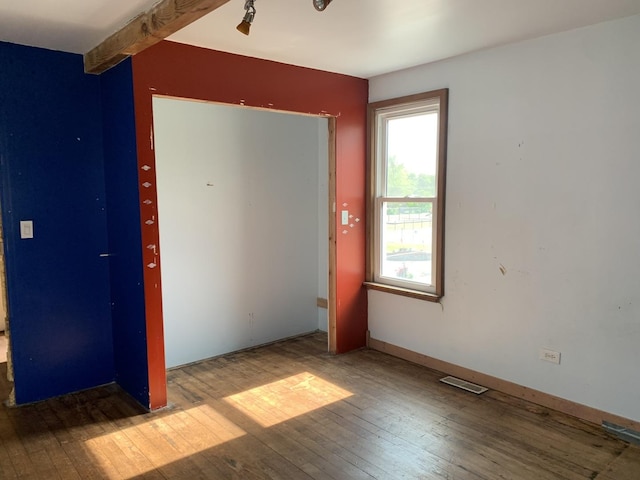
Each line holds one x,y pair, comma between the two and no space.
333,288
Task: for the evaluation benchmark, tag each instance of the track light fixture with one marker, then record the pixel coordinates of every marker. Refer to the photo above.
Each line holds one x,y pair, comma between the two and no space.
249,15
320,5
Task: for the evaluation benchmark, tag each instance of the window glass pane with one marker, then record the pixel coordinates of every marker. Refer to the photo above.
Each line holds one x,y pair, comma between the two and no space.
406,241
412,146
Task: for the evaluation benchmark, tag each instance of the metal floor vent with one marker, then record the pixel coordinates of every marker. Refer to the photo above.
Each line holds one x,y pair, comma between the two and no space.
463,384
625,434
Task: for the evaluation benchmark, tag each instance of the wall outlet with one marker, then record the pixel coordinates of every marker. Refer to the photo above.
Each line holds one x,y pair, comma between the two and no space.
550,356
26,228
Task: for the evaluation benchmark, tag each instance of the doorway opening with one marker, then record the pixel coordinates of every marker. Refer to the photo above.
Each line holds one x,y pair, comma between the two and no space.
6,367
244,226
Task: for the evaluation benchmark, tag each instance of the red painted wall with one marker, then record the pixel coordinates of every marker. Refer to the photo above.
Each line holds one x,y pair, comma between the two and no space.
183,71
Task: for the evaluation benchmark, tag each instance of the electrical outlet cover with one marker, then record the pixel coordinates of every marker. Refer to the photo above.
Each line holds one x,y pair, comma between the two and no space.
26,228
550,356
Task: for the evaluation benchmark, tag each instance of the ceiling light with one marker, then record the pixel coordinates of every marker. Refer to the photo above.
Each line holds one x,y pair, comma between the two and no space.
246,22
321,4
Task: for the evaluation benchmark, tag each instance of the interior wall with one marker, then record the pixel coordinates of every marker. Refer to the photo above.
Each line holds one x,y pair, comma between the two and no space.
53,174
542,225
323,223
189,72
239,230
125,242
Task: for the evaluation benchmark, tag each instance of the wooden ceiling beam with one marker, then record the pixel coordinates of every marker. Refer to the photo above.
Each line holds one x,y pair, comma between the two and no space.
148,28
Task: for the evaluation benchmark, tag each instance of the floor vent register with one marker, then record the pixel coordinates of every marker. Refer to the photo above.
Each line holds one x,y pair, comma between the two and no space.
463,384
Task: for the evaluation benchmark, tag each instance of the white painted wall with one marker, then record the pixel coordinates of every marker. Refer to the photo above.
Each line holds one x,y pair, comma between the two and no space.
239,228
323,221
543,179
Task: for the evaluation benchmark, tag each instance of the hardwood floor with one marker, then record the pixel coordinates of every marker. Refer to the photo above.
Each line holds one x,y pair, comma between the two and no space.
3,347
291,411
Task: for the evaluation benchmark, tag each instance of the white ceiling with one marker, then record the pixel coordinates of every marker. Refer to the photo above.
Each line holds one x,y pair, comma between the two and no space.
363,38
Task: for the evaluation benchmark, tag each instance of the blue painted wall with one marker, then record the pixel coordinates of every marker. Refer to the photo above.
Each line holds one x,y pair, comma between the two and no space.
51,165
127,288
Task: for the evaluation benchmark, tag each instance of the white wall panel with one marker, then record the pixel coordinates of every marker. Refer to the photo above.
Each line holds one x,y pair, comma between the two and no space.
323,221
239,226
542,182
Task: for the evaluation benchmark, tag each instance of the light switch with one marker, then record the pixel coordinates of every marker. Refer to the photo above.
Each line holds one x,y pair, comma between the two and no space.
26,228
345,217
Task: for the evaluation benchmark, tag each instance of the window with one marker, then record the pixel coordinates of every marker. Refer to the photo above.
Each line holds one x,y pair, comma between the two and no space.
408,143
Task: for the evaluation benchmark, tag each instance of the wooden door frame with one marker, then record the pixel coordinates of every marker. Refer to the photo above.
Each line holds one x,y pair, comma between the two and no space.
333,287
178,70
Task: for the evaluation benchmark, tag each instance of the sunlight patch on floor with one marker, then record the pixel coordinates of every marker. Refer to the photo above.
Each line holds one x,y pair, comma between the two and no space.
4,345
192,431
288,398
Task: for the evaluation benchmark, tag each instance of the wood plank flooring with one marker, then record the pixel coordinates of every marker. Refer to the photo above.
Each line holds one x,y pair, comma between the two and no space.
3,347
291,411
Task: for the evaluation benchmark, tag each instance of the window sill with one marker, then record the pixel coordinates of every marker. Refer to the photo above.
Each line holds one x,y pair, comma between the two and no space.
405,292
